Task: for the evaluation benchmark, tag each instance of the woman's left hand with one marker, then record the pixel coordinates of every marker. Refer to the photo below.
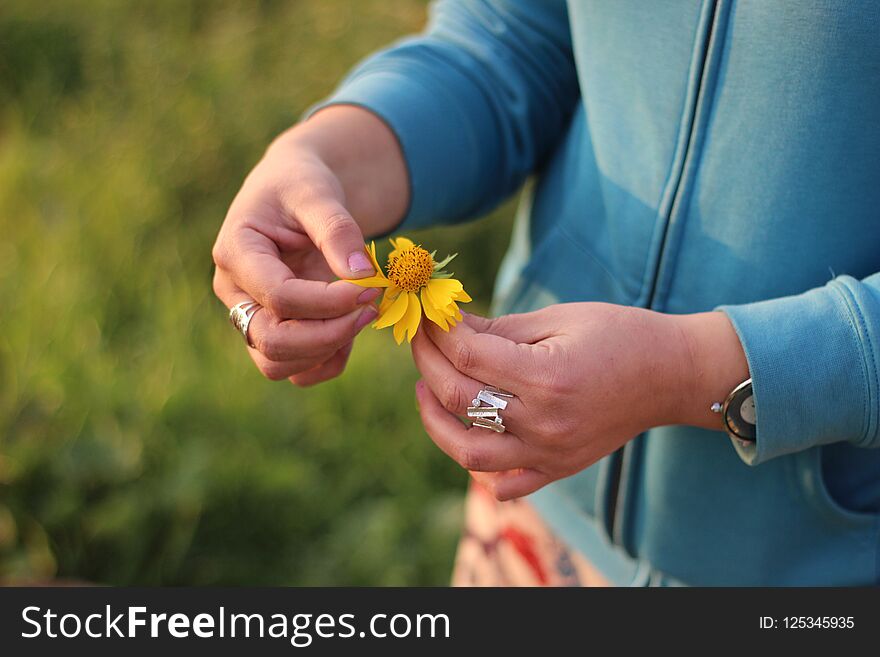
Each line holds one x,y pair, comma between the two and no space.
587,378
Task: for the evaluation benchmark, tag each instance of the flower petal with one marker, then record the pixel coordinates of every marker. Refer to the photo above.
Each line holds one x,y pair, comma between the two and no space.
446,285
433,313
400,244
394,312
448,313
371,253
399,332
429,293
452,309
463,296
370,281
388,298
438,293
412,317
443,290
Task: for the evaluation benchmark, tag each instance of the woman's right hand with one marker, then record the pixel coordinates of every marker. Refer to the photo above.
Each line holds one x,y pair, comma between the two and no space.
288,237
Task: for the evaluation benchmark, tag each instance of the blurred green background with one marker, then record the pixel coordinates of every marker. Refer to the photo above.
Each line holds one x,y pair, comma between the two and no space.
138,444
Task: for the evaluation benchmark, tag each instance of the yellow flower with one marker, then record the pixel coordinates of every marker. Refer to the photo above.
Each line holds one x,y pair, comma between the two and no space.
413,274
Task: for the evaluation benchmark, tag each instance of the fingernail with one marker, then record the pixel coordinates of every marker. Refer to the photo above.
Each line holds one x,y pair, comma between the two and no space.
366,317
369,294
358,262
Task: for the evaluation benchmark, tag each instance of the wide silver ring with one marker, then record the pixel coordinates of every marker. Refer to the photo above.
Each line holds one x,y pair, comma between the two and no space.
485,409
240,316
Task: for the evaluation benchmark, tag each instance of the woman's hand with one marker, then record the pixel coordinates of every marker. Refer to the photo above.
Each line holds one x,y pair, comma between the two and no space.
587,378
290,234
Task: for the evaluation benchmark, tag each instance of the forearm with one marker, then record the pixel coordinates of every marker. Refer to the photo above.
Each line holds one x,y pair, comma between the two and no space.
364,155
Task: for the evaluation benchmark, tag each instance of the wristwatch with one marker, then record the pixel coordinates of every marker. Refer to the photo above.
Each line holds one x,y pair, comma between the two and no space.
738,412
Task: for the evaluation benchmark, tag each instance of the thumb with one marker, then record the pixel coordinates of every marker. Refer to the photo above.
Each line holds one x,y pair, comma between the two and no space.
523,328
338,238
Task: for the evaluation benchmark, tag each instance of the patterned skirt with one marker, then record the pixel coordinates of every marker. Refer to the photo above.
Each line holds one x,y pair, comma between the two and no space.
508,544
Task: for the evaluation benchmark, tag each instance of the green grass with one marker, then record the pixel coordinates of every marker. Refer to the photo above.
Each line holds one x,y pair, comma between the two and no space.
138,444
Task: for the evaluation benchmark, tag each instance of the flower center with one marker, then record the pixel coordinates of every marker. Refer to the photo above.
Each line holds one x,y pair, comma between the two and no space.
411,269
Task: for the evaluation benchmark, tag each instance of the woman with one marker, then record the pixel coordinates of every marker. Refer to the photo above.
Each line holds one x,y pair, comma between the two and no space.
705,212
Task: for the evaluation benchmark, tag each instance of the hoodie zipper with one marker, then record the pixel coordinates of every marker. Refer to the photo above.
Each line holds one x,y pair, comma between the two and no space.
616,492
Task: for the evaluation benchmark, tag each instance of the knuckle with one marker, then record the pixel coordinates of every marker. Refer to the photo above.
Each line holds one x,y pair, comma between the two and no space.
501,495
270,347
337,301
559,383
274,302
336,226
336,369
216,284
452,397
492,487
463,356
554,429
272,371
334,335
305,383
494,324
471,458
329,370
289,190
220,254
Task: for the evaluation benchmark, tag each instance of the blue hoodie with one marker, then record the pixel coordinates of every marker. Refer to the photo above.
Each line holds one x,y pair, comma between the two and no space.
687,156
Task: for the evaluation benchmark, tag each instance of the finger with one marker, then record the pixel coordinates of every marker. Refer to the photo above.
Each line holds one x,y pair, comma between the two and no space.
485,356
292,339
454,390
283,340
511,484
337,236
473,449
280,370
280,341
524,328
252,263
327,370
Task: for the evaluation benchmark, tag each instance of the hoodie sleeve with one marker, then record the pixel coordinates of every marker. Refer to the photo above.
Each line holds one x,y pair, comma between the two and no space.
477,101
814,365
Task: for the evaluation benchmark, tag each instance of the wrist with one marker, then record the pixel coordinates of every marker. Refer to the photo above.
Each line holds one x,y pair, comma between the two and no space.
713,364
311,138
363,155
660,370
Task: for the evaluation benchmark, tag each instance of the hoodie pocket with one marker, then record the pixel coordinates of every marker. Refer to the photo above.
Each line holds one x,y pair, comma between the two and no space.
810,481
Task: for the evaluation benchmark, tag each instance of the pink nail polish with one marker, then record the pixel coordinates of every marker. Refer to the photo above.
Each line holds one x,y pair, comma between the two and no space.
368,295
366,317
359,262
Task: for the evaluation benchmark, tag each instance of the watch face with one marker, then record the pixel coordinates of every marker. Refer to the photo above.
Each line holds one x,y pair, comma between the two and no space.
740,416
747,410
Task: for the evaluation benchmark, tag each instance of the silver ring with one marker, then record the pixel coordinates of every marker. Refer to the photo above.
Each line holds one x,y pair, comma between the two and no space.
240,316
485,409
